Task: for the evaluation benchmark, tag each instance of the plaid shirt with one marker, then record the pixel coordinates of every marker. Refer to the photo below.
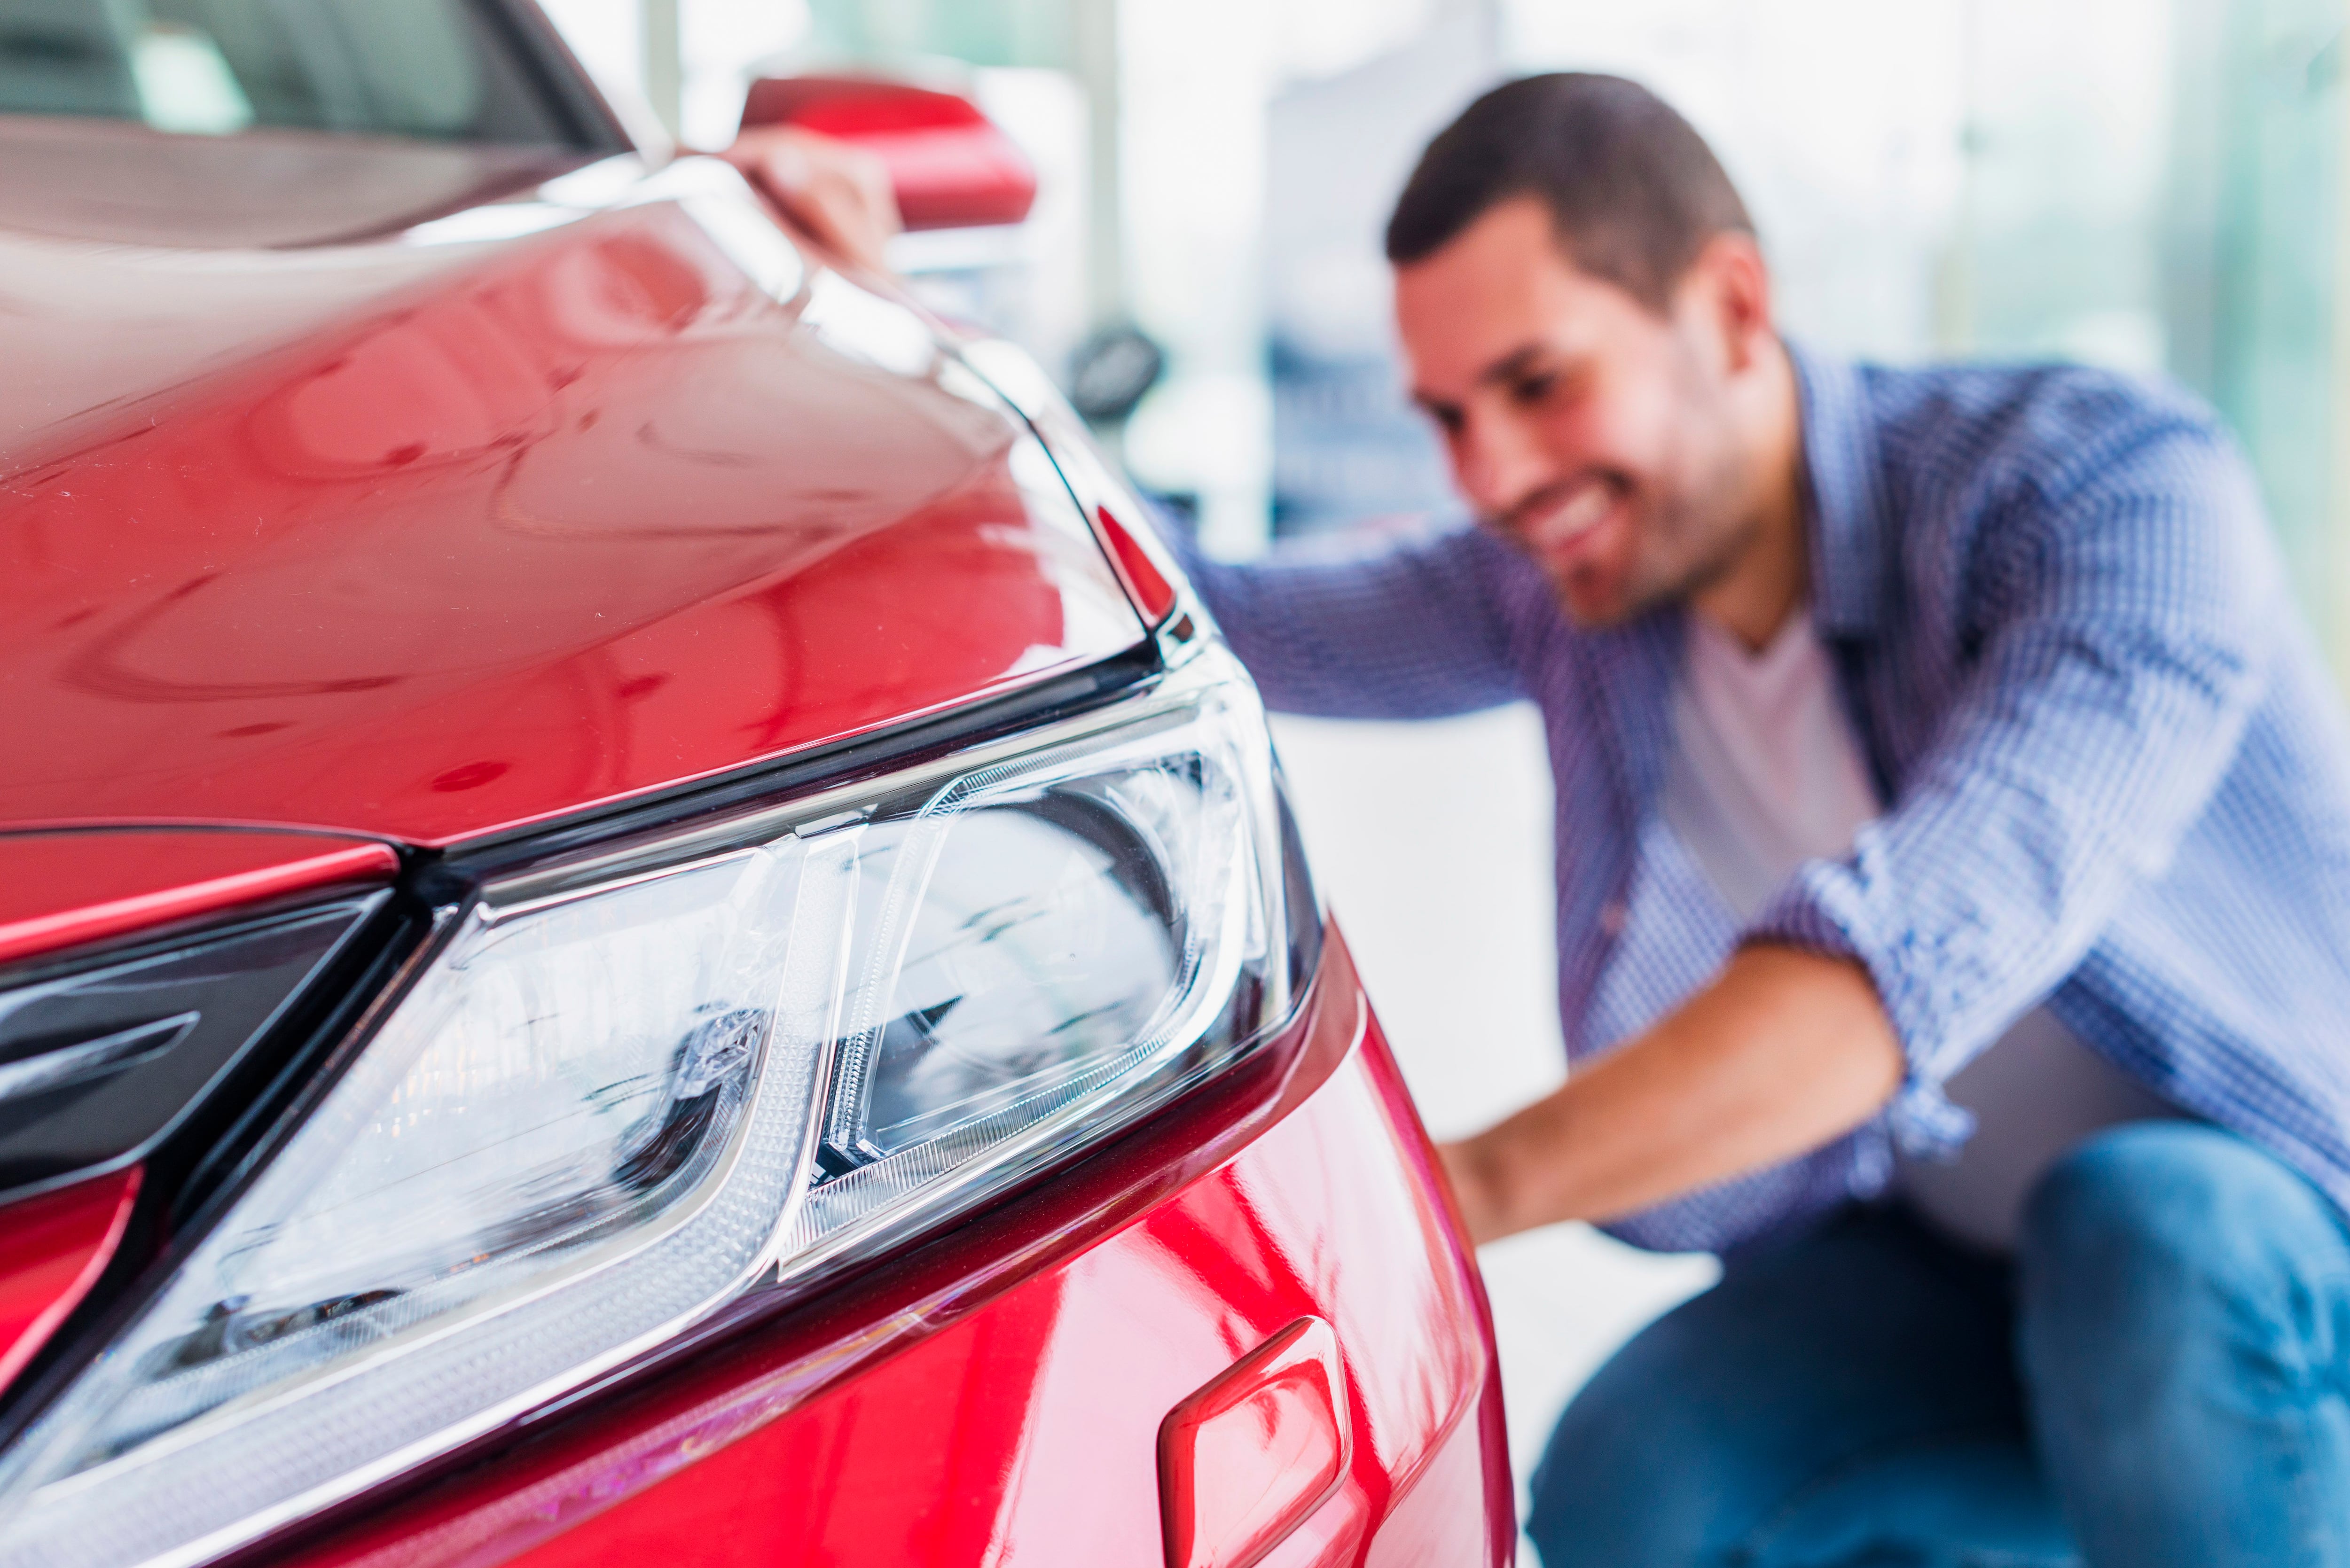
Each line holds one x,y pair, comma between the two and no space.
2118,774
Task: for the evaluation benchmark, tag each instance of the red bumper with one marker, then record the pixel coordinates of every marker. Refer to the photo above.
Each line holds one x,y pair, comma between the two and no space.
1001,1402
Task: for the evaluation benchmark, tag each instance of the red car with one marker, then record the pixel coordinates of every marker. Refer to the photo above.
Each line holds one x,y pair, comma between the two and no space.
637,925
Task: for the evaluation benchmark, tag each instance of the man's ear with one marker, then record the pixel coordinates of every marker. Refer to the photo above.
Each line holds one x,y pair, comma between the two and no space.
1731,283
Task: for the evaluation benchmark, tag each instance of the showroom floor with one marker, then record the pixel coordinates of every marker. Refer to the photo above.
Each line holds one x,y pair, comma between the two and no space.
1432,842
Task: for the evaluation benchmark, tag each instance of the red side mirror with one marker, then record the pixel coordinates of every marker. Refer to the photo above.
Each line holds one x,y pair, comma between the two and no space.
952,166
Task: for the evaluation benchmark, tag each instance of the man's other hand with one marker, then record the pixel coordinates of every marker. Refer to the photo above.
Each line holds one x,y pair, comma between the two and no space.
838,194
1473,1190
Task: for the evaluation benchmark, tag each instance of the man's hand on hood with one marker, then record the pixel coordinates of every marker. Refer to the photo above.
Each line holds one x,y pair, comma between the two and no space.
839,196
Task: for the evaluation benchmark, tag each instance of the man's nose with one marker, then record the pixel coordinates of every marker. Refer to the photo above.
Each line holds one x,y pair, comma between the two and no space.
1499,463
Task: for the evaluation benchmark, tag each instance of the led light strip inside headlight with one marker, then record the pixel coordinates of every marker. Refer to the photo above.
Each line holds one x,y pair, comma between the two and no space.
625,1090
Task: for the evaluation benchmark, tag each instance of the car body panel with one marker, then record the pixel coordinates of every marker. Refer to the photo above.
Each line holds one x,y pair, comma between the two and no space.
63,889
52,1249
603,508
1016,1419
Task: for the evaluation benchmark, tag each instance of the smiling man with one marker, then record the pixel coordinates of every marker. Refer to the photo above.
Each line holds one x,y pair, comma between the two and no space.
1953,888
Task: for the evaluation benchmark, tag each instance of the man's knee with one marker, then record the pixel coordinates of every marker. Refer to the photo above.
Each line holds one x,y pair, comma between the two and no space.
2155,1248
1609,1491
1666,1453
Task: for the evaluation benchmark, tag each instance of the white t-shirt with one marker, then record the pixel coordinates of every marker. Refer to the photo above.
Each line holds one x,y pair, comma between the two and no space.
1766,773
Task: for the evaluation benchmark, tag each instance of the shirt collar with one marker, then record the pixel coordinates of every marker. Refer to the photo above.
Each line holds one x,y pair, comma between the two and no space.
1847,510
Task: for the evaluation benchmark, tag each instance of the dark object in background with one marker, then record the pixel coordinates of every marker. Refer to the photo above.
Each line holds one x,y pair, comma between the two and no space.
1112,370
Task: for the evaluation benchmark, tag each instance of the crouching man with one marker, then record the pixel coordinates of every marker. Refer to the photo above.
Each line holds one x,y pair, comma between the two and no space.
1953,888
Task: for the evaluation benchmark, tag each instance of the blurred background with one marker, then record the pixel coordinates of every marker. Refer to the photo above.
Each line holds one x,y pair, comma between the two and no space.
2151,184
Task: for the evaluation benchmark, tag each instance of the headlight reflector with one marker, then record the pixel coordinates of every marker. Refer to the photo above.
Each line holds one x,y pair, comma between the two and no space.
624,1093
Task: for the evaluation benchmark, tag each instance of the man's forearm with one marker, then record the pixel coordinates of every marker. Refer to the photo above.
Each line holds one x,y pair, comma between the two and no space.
1784,1051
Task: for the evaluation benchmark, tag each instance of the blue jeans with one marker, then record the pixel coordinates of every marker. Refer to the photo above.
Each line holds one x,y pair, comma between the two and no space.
2161,1379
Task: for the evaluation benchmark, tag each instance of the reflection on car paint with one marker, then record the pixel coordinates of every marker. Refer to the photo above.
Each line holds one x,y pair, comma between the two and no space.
594,515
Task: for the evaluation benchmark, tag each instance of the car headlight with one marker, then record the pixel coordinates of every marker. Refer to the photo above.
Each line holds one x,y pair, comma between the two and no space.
623,1092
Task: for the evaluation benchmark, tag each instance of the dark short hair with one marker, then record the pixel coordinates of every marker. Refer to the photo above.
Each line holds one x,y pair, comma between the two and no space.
1634,192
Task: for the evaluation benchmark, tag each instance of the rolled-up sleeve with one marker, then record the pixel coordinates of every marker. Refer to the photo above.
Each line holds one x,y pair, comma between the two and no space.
1381,628
2126,602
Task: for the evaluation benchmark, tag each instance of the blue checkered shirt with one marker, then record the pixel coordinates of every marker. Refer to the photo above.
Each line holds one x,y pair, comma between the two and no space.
2119,774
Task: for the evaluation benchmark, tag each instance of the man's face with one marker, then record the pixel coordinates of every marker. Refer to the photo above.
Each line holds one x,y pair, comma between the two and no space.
1594,433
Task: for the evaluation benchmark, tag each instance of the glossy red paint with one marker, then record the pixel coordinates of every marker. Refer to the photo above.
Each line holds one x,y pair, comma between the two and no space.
1144,564
1145,584
52,1249
62,889
446,535
998,1398
1244,1459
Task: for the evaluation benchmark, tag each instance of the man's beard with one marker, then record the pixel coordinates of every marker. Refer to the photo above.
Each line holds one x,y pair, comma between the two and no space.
1706,543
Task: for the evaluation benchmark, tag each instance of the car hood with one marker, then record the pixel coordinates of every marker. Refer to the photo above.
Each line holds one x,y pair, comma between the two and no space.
536,506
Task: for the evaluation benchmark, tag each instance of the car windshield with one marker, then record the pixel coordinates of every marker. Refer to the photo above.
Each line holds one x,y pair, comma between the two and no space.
431,69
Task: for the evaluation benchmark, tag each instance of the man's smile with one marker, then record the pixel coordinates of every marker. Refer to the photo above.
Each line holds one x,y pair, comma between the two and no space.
1569,528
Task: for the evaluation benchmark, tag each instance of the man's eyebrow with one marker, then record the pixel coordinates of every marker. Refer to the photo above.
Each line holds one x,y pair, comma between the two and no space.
1512,364
1509,367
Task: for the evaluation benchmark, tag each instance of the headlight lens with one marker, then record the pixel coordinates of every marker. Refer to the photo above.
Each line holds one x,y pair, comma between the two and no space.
624,1094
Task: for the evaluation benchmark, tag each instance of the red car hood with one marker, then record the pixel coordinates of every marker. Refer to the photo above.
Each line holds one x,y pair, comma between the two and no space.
543,503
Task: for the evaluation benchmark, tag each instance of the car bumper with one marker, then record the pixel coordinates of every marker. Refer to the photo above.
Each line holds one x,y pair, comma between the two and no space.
1002,1402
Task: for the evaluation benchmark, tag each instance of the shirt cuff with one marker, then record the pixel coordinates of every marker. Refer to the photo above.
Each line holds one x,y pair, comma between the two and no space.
1819,911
